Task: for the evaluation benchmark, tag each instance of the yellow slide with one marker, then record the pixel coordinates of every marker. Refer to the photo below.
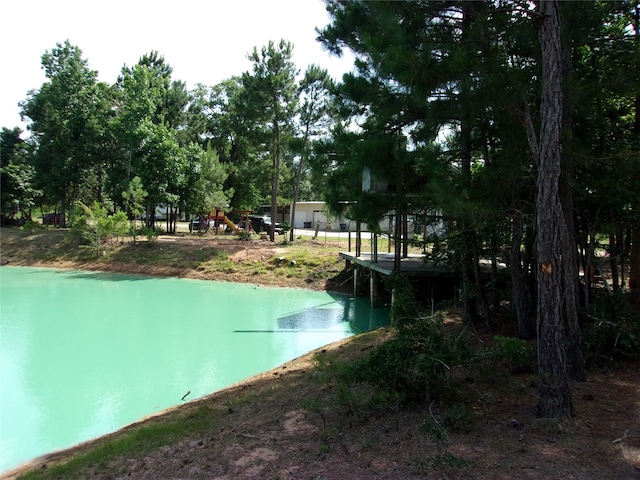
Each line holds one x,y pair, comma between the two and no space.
230,224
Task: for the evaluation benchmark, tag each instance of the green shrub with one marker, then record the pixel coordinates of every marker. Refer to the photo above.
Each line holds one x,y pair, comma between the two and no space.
613,332
404,308
150,233
413,367
244,235
30,226
515,352
458,418
96,225
417,363
433,426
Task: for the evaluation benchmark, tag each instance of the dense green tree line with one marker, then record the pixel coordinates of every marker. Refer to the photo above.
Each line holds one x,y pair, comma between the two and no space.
233,145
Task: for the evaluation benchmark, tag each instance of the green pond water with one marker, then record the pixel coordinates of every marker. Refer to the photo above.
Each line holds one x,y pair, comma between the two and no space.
84,353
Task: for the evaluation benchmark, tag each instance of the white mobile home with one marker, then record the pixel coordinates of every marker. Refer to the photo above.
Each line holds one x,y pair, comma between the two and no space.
310,215
314,214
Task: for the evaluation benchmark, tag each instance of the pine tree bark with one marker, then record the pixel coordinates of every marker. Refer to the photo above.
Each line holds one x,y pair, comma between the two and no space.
553,386
571,283
634,265
468,291
521,292
276,178
634,260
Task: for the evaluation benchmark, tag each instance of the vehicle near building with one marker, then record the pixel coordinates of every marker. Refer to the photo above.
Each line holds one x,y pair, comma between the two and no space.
198,224
263,223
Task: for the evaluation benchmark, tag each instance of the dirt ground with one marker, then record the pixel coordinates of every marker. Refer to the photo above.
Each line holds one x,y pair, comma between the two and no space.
262,431
245,252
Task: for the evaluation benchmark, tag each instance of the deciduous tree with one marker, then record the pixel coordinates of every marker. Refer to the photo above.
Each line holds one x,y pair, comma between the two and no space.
314,114
62,115
17,192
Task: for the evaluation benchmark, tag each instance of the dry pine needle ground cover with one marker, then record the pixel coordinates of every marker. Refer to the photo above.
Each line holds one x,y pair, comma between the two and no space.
259,429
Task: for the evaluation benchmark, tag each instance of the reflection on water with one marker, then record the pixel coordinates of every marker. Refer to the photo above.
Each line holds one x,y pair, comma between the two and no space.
331,315
83,354
320,317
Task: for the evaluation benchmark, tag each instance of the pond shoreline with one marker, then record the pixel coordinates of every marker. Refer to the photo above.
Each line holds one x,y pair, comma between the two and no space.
256,261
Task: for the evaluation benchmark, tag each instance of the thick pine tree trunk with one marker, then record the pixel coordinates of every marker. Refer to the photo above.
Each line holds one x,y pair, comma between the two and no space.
296,188
570,260
521,292
553,386
634,260
276,178
571,295
468,294
480,289
613,261
634,265
63,208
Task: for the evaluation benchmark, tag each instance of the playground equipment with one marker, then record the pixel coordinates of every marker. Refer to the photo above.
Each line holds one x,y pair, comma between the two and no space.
217,218
245,221
230,224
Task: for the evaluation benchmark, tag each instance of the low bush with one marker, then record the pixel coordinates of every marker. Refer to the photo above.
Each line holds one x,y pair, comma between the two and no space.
515,353
414,367
612,333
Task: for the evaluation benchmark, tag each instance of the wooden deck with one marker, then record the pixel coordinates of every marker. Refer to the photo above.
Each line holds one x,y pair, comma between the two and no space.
413,265
369,268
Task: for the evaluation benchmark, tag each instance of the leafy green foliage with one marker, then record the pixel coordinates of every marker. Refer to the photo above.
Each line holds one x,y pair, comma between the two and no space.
207,190
414,366
515,352
134,197
269,102
613,332
244,235
315,112
417,363
63,114
148,131
97,226
150,233
17,177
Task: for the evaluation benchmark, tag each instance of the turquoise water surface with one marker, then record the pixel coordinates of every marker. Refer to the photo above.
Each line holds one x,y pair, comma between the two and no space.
85,353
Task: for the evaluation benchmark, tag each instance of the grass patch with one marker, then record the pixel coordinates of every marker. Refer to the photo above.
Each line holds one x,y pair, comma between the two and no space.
308,264
135,443
165,254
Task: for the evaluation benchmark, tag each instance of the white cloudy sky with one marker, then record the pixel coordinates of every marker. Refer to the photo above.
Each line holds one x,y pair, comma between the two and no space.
205,41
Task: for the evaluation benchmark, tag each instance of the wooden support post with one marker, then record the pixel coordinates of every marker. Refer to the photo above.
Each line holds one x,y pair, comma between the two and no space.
398,243
374,289
393,301
374,247
405,235
359,286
